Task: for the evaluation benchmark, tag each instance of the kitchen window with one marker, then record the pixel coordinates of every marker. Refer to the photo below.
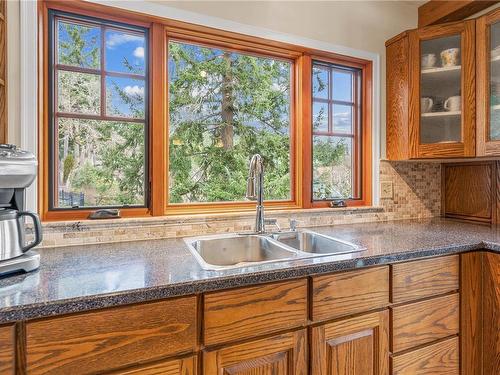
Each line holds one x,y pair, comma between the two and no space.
98,114
336,150
162,117
225,106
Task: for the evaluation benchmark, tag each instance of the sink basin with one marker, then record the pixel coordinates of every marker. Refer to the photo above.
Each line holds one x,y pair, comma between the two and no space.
234,251
316,243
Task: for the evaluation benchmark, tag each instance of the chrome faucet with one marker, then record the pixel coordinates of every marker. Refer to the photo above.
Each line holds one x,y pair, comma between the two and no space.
255,190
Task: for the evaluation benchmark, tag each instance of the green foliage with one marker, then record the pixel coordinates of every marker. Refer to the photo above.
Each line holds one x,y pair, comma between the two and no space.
69,164
104,159
225,107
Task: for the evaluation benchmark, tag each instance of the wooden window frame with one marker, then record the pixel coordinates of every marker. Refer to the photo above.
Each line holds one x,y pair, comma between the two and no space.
160,31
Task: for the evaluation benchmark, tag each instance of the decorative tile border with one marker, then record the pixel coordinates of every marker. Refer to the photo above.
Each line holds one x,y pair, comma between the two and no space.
416,194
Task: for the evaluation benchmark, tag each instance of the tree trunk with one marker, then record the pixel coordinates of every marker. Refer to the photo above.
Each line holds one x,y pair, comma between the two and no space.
227,105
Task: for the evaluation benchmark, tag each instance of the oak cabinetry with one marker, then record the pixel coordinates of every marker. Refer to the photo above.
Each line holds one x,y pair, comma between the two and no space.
349,293
7,350
284,354
488,84
183,366
252,311
354,346
423,322
103,340
441,358
400,319
431,92
424,278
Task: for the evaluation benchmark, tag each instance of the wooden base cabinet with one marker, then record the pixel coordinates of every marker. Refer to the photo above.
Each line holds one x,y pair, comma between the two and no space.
182,366
7,350
284,354
353,346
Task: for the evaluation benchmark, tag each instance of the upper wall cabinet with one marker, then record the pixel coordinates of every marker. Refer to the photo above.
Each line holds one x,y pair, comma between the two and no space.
431,92
488,84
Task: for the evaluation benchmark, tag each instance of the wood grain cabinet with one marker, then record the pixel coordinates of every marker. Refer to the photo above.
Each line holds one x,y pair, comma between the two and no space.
353,346
7,350
488,84
99,341
182,366
284,354
431,92
3,71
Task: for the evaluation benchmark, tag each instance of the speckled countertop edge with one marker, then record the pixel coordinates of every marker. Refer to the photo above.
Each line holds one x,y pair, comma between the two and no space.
149,294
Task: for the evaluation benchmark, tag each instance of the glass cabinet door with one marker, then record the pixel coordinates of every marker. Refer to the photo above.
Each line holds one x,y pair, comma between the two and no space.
488,84
493,128
440,90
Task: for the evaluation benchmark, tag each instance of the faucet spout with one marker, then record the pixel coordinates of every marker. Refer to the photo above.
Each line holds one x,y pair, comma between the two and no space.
255,190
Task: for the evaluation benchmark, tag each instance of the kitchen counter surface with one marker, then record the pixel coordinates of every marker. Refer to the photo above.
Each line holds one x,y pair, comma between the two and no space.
80,278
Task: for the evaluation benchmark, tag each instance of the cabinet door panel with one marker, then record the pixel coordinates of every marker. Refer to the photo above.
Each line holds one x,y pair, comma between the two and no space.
442,90
424,322
488,84
183,366
436,359
108,339
284,354
354,346
351,292
7,350
424,278
491,313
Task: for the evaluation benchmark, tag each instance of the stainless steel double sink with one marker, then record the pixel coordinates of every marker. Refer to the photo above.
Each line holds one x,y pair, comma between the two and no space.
228,251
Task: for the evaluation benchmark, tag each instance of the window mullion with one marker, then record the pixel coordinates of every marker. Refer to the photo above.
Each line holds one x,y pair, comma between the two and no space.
103,76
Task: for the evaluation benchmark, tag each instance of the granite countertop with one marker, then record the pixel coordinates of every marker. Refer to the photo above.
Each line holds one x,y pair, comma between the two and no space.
80,278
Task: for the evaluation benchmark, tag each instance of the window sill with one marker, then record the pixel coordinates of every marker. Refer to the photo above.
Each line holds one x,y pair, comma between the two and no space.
206,218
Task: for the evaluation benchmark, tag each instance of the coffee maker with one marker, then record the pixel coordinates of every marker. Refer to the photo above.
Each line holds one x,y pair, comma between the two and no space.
17,172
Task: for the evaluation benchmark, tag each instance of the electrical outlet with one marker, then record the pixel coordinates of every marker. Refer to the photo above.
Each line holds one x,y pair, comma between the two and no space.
386,191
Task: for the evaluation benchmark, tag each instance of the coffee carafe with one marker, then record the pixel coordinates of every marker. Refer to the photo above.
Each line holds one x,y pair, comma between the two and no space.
17,172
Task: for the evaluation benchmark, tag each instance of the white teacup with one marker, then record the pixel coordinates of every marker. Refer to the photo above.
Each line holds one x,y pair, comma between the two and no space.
453,103
428,60
426,104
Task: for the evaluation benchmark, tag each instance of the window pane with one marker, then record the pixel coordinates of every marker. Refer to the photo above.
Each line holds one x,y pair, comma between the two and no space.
125,97
342,118
224,107
332,167
100,163
342,86
125,52
320,117
78,45
320,82
78,92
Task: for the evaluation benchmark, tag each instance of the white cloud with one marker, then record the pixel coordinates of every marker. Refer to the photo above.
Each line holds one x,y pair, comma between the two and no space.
139,52
134,90
116,39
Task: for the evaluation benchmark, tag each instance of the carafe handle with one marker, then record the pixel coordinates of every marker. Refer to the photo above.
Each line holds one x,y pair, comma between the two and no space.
36,225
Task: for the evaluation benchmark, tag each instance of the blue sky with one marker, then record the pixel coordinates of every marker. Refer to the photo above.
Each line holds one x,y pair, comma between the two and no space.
119,46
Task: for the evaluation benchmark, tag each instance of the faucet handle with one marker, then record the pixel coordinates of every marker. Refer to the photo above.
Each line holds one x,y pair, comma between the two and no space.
293,224
272,222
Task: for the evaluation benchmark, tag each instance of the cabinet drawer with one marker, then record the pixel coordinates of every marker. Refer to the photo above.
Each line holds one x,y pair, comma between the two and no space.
436,359
183,366
424,278
7,350
423,322
350,292
108,339
249,312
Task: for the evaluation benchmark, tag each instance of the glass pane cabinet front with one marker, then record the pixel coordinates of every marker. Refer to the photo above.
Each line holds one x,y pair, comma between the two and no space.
494,120
440,90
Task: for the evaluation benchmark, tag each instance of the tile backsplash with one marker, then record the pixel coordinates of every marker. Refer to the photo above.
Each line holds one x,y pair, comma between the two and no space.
416,193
